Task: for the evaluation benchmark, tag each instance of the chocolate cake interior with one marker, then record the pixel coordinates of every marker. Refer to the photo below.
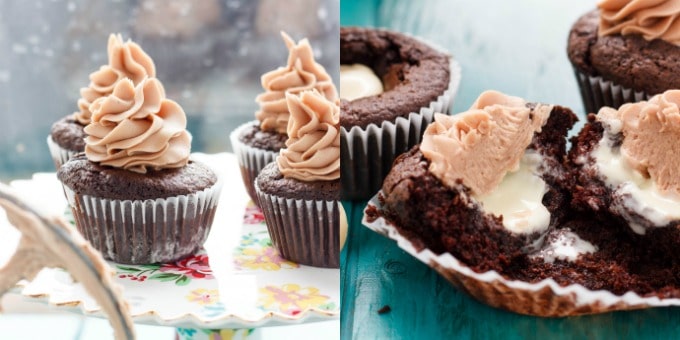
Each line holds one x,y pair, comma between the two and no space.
616,259
410,192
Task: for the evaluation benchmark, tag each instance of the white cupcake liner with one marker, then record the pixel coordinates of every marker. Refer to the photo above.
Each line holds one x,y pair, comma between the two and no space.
145,231
597,92
59,154
367,153
303,231
251,160
544,298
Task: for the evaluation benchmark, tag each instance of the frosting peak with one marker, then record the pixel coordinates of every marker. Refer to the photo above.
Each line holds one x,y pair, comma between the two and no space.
481,145
301,73
651,131
126,60
313,146
137,128
653,19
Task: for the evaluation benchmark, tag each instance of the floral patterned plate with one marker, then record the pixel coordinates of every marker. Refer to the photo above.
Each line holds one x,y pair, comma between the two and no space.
238,281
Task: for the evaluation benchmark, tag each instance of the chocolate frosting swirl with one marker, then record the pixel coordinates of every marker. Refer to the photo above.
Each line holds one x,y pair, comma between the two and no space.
481,145
313,147
136,128
300,74
126,60
652,19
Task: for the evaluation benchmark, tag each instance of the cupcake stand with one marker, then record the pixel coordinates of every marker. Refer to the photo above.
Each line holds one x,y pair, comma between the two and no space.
231,289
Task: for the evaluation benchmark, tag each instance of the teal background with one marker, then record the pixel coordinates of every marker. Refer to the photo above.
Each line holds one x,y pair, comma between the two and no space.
517,47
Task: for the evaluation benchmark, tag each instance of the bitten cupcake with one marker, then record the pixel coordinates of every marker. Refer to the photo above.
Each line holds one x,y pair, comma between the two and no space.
299,193
257,143
390,87
625,163
626,51
451,192
126,60
134,193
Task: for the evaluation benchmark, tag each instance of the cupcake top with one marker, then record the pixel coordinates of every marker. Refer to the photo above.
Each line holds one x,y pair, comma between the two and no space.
652,19
312,150
136,128
650,132
126,60
481,145
390,75
628,164
485,150
301,73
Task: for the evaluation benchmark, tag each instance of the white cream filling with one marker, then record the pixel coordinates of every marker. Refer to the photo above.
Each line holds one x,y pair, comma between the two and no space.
518,198
640,194
358,81
566,245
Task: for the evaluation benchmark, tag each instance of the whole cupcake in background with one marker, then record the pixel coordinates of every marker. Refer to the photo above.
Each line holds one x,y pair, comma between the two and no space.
391,85
299,193
126,60
626,51
257,143
134,193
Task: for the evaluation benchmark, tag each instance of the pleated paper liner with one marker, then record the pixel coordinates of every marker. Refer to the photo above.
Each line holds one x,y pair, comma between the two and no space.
597,92
59,154
303,231
367,153
545,298
250,160
145,231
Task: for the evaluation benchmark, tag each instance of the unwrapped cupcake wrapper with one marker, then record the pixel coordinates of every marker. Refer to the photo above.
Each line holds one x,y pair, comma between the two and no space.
250,160
59,154
597,92
367,153
145,231
545,298
303,231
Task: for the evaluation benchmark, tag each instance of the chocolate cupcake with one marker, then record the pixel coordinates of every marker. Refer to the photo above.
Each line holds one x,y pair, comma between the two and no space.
391,86
299,193
134,193
450,192
596,254
126,60
257,143
625,167
625,51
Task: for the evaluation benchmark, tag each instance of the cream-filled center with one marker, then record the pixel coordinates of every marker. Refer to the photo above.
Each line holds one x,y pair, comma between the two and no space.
518,198
564,245
640,194
358,81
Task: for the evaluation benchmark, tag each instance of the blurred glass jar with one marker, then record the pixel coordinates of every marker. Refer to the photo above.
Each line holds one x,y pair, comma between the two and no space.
209,54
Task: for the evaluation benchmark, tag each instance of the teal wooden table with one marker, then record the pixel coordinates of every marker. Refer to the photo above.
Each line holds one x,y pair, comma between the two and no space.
521,53
387,294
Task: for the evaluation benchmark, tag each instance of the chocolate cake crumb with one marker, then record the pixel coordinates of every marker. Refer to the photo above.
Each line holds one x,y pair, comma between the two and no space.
384,309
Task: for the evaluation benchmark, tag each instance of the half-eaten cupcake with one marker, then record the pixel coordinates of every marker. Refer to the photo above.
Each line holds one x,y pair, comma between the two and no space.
451,193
